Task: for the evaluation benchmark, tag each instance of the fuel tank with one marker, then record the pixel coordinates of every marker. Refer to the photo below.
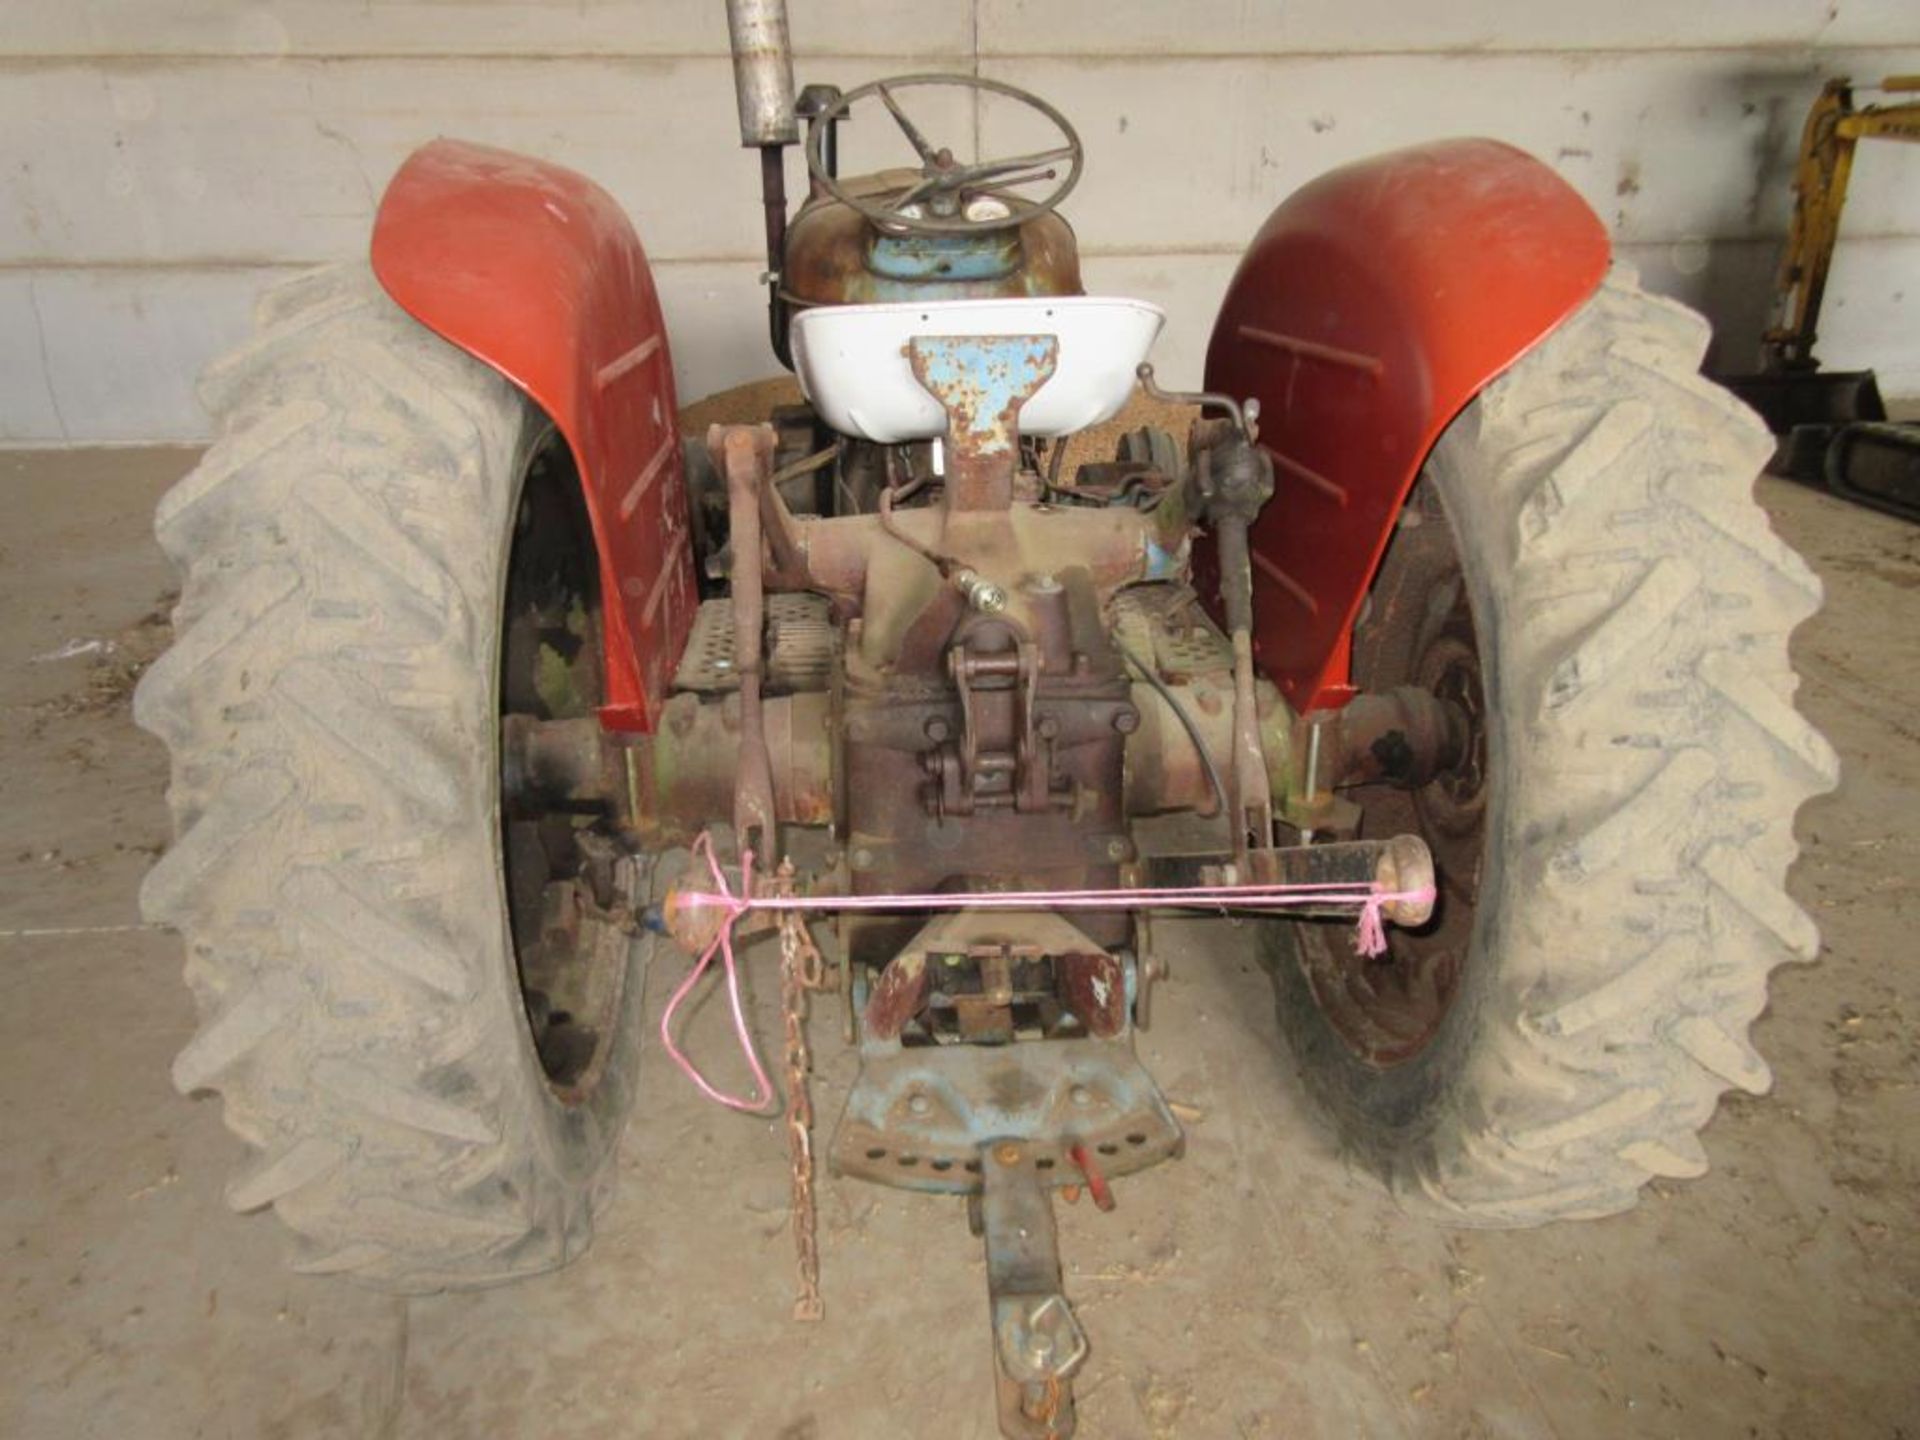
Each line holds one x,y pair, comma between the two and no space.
837,256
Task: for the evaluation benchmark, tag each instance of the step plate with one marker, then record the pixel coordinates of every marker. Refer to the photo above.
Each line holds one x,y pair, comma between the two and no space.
800,644
1166,621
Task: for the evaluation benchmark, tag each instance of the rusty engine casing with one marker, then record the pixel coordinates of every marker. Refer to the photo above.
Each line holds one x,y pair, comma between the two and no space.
993,757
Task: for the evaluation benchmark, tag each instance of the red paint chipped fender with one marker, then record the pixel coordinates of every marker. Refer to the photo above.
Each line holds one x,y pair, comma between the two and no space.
535,270
1371,307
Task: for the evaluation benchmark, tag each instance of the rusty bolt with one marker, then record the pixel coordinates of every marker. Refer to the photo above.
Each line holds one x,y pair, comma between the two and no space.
1007,1153
1126,720
919,1104
862,858
1116,849
938,729
1080,1095
1047,726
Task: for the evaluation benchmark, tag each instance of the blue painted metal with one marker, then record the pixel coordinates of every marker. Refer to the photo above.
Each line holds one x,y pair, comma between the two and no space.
982,380
918,1114
1165,564
937,260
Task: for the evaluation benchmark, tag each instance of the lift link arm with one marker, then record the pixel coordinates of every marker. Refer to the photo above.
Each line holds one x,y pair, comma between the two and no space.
1233,478
744,455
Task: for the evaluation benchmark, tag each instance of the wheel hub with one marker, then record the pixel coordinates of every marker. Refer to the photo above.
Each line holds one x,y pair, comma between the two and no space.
1420,633
558,849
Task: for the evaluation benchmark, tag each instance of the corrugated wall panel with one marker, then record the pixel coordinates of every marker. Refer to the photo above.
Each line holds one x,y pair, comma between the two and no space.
160,158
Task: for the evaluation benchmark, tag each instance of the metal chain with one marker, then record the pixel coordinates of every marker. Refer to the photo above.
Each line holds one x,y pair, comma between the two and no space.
802,968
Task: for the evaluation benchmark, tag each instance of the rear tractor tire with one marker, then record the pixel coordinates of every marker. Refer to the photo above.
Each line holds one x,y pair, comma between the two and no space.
1583,566
373,527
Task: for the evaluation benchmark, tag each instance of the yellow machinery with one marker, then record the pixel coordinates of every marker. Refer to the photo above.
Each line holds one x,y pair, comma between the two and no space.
1833,423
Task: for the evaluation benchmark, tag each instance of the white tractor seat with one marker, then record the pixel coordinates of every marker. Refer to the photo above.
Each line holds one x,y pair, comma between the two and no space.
853,367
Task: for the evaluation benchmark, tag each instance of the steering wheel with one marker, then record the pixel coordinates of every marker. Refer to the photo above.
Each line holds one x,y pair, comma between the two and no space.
950,198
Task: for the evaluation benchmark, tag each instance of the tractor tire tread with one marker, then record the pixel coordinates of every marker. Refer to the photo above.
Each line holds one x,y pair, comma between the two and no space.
335,876
1653,764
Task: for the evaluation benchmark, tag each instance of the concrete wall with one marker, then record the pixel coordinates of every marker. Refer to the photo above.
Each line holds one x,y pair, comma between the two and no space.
160,160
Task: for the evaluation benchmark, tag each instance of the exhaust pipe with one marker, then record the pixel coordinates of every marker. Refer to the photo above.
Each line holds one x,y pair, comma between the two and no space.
763,71
763,85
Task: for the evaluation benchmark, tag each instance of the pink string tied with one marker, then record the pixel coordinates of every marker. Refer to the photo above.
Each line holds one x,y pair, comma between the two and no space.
1370,932
1370,936
722,943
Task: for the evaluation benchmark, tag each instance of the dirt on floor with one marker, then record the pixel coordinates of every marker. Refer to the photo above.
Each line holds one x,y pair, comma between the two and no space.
1257,1288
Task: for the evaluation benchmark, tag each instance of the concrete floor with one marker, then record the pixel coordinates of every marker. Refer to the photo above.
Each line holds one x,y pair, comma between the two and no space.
1255,1289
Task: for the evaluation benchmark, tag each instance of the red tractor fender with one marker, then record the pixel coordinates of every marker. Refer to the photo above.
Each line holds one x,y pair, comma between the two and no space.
535,270
1371,307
